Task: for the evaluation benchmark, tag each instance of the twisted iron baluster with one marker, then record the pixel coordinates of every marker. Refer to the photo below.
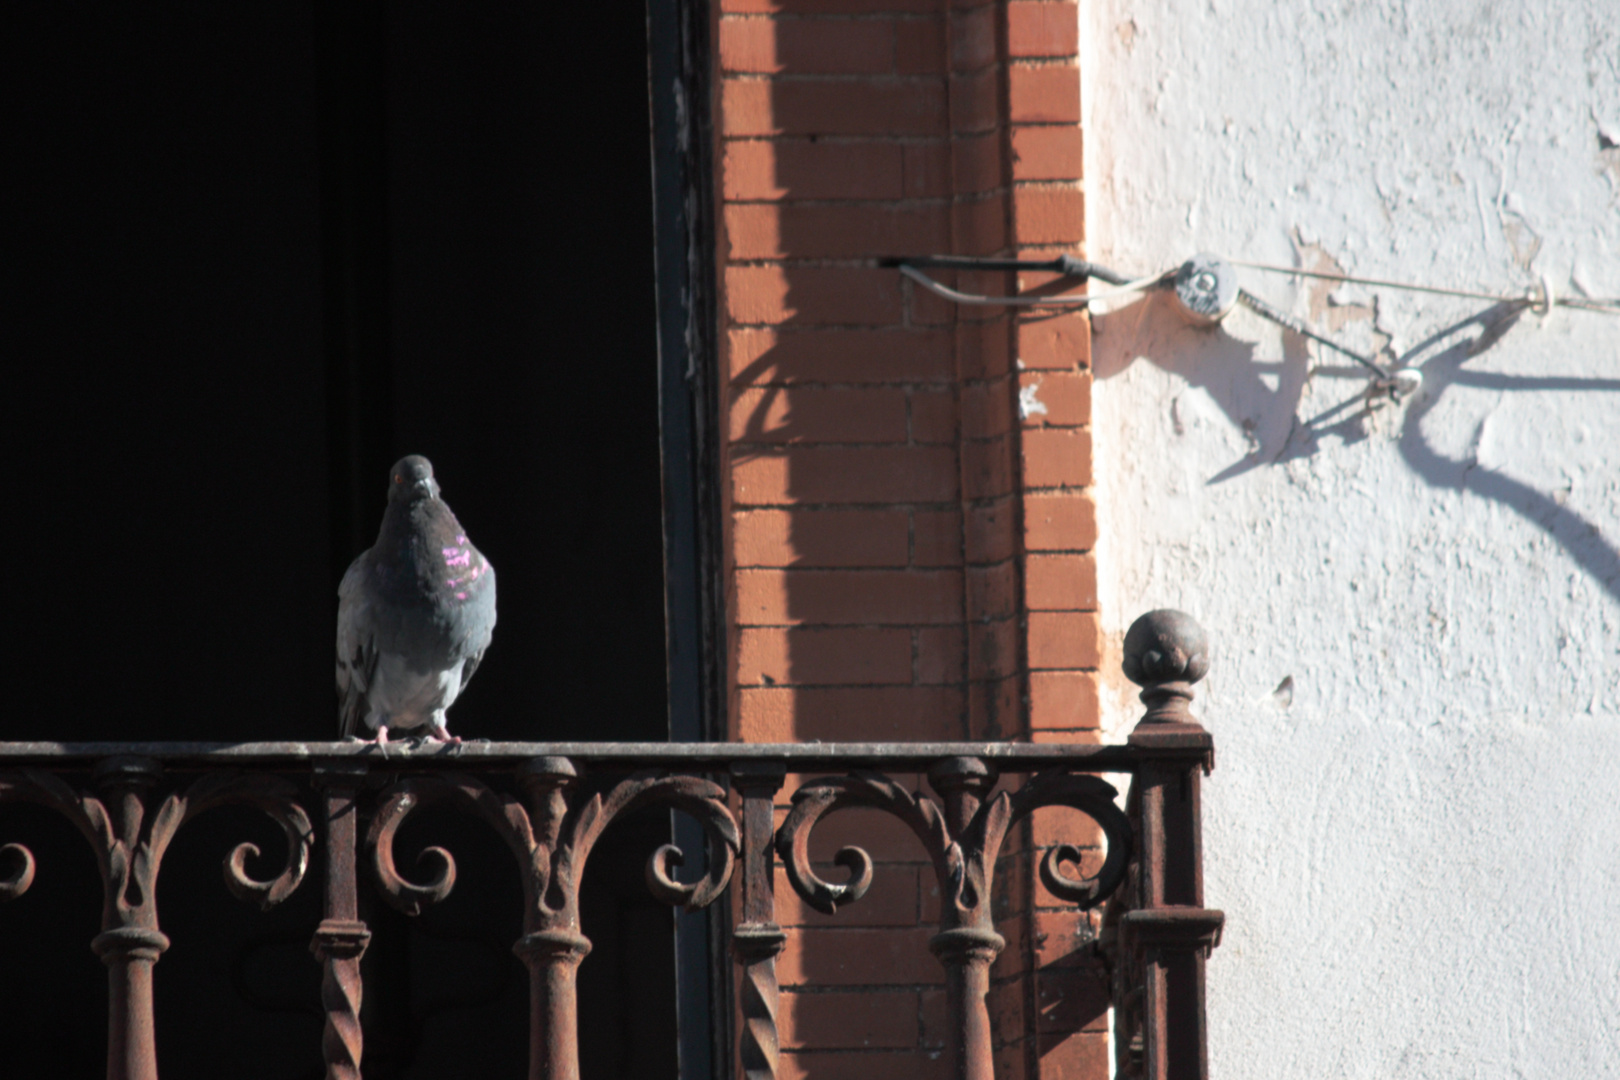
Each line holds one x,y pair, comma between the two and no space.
758,939
341,939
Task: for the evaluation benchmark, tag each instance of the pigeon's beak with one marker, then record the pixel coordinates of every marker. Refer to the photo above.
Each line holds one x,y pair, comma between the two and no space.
427,487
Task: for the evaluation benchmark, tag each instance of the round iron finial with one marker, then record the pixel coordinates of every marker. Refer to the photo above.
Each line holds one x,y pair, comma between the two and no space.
1166,646
1165,653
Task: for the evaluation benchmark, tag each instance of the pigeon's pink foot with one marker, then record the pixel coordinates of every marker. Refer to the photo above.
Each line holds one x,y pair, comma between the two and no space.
382,739
441,734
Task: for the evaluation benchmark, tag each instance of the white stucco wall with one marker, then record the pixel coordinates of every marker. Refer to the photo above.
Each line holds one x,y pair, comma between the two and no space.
1418,848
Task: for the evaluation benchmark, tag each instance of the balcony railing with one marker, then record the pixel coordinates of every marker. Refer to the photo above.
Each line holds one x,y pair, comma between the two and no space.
128,800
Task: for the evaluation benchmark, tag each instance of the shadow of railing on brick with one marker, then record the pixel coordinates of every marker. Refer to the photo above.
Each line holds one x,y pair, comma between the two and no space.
852,601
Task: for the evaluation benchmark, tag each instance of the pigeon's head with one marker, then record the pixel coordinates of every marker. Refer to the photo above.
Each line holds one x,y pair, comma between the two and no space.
411,479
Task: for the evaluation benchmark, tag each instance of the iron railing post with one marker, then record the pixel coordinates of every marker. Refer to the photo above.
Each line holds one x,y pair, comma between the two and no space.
341,938
967,943
130,941
758,939
551,948
1169,931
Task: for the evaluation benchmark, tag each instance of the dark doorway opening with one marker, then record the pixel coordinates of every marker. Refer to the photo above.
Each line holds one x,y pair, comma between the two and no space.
488,249
255,253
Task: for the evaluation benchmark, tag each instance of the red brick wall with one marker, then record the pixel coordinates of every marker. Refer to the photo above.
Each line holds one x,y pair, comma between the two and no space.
909,555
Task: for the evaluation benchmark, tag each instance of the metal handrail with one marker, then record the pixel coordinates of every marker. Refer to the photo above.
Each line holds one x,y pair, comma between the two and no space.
798,757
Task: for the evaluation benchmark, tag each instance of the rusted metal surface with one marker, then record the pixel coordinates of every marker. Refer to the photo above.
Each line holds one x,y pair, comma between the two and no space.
758,939
715,757
552,841
962,833
129,844
340,940
1156,932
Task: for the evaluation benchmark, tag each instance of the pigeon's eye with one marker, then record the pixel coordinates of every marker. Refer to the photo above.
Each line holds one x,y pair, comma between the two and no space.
398,479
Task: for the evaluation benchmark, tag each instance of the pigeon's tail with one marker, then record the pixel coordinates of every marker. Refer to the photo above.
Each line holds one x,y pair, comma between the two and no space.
351,709
353,682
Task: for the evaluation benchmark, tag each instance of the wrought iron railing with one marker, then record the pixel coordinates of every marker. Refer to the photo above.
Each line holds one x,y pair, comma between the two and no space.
128,800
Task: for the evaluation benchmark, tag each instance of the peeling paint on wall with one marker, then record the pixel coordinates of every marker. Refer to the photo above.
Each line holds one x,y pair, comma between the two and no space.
1414,829
1030,404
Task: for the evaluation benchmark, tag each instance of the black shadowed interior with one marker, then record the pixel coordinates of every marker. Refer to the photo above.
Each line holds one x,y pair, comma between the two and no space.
256,252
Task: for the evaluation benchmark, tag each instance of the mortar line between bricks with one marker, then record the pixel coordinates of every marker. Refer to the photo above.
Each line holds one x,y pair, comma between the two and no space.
929,135
831,571
885,1051
981,565
987,439
829,262
799,262
898,327
1048,185
856,686
886,504
977,502
798,443
776,18
1058,61
897,386
865,988
835,78
895,445
910,570
855,139
1052,249
791,330
909,202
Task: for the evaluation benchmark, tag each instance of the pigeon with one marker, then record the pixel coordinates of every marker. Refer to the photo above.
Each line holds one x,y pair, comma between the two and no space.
415,614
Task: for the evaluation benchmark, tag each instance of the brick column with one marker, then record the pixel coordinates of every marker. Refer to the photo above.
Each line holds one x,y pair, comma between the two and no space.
1053,351
909,548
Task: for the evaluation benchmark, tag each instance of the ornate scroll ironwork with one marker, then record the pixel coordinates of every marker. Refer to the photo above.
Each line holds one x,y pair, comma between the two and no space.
1156,931
963,838
552,842
129,845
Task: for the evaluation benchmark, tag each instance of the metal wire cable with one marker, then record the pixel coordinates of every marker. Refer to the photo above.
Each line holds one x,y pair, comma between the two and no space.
977,300
1542,300
1265,310
1064,264
1533,297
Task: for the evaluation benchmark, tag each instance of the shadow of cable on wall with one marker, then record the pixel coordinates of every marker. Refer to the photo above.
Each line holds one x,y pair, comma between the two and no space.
1448,350
1227,369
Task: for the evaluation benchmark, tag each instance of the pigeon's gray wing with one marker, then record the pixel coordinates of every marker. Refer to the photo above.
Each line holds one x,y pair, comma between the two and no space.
356,650
475,623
